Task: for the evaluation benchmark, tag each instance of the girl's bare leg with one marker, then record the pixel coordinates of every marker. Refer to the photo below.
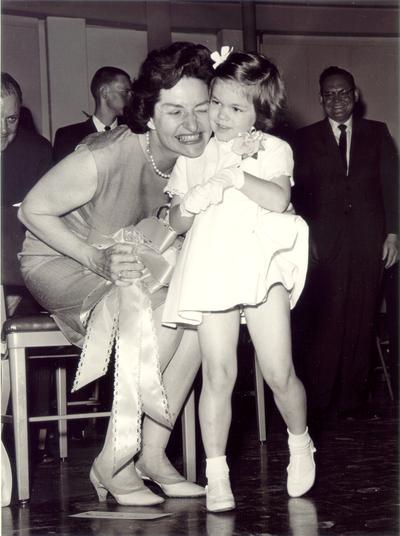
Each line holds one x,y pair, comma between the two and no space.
218,336
269,327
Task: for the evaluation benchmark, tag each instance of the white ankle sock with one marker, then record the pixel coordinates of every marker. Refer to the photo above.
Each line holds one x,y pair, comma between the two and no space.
216,467
299,439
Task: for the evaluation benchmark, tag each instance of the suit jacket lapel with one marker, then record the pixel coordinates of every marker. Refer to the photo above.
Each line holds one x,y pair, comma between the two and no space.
356,144
90,126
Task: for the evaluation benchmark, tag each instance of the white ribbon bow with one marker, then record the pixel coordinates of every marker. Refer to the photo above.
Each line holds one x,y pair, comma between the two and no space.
220,58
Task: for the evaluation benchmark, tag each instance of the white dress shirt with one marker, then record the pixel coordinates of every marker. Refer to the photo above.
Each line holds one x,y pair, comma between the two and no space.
100,127
336,133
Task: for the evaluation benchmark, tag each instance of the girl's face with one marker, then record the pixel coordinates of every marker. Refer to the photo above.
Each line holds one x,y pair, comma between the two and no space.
231,110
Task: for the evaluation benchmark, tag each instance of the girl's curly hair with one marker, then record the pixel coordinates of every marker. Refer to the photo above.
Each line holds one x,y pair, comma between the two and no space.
261,80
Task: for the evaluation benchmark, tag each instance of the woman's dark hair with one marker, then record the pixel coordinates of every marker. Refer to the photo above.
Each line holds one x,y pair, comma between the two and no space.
336,71
162,69
261,81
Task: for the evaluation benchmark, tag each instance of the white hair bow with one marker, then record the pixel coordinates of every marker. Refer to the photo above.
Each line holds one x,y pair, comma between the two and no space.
220,58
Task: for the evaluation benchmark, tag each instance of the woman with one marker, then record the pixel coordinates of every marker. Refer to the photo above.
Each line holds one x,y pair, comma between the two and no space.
114,180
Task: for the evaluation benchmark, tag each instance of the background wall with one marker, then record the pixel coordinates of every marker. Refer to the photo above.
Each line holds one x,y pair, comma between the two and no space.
372,60
54,48
21,58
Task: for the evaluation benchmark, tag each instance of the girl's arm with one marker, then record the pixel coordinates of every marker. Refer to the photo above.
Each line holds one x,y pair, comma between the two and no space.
273,194
266,179
180,223
67,186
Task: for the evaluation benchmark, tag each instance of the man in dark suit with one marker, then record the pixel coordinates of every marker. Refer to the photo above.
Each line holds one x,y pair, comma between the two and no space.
111,90
346,189
25,157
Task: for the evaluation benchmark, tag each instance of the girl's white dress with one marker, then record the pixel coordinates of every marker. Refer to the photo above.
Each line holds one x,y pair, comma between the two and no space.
236,250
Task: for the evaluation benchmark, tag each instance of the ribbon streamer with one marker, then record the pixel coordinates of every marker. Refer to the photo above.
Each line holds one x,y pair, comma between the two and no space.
123,316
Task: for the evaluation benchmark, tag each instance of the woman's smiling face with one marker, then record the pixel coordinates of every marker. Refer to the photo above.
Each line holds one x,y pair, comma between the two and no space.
231,110
180,118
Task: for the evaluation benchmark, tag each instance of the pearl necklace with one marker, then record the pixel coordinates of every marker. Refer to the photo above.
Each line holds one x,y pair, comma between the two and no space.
151,158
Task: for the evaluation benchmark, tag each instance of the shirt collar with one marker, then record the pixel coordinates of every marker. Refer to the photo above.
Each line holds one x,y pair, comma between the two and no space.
100,126
335,124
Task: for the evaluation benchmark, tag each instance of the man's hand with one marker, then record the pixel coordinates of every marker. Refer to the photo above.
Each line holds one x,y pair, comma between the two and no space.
390,251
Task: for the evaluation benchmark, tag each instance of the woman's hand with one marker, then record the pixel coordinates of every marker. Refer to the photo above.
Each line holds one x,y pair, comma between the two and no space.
117,263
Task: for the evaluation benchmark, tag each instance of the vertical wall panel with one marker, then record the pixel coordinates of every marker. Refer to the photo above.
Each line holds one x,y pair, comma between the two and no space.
117,47
208,40
20,57
68,76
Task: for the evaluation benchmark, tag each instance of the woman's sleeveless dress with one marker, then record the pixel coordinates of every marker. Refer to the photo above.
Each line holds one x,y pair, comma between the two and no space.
59,283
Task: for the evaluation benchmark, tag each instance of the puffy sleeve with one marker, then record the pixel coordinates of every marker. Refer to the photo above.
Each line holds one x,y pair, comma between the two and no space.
276,159
178,182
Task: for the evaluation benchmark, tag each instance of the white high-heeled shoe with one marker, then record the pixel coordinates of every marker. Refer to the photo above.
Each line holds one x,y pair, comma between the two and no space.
172,483
219,496
137,495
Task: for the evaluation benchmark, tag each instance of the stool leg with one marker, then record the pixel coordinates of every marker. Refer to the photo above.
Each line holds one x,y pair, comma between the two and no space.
189,438
5,386
20,419
384,367
259,385
61,385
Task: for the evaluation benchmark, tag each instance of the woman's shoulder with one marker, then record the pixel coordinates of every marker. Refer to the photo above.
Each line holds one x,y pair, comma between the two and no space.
121,135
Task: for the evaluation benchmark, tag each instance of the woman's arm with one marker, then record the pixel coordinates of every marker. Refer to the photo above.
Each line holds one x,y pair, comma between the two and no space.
67,186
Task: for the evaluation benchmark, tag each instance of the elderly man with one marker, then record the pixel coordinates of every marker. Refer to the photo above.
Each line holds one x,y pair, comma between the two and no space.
346,189
25,157
111,90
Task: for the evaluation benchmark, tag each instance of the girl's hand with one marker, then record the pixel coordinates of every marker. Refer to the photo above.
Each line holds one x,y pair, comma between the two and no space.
117,263
201,196
229,177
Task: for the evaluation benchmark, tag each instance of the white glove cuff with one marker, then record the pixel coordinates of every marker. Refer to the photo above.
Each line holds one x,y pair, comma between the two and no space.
185,213
237,178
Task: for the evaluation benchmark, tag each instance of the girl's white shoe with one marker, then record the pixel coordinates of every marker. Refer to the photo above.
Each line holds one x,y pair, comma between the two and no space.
219,496
301,468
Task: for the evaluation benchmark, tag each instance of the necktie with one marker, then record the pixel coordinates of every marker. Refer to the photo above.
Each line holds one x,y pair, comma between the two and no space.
108,128
343,144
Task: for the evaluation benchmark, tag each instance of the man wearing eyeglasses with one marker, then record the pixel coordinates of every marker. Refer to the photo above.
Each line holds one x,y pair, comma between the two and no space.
111,90
346,188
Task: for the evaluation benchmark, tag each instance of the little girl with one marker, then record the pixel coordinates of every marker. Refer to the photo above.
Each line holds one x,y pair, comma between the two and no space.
245,252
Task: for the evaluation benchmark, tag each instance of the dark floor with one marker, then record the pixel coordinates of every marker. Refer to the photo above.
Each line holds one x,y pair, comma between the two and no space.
356,492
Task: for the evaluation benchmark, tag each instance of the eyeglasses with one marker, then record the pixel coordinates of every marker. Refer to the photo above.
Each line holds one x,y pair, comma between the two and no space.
342,95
